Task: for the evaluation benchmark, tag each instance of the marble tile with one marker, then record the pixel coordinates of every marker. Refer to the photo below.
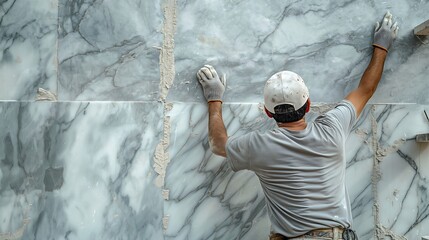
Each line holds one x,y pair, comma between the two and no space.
359,154
108,50
402,189
327,42
208,201
79,171
28,56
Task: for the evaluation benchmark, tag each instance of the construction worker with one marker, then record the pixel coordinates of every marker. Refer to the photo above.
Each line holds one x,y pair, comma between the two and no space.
301,166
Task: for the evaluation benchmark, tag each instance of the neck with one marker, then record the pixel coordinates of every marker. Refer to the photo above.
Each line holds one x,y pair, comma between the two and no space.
294,126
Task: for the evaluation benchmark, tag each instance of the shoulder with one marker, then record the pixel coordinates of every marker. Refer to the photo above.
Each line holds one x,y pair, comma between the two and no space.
342,116
346,105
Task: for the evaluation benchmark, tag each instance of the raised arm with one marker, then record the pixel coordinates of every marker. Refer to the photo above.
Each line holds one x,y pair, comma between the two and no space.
383,38
213,88
369,81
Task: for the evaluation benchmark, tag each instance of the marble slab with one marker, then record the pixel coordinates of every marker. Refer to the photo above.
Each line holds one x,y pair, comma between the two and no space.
109,50
359,155
327,42
79,171
207,200
403,187
28,56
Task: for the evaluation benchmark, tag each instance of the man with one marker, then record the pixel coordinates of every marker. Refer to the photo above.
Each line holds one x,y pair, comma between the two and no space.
301,166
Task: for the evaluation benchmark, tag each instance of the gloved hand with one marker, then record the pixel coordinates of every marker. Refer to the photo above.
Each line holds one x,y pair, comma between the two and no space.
386,33
213,86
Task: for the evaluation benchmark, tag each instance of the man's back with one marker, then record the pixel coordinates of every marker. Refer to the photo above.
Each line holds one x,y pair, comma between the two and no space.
302,172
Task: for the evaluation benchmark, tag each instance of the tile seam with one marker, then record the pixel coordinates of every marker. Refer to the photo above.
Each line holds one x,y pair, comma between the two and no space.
167,73
166,59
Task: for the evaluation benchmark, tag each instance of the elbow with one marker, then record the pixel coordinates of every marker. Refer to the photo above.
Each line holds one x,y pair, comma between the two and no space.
368,91
372,90
218,151
217,148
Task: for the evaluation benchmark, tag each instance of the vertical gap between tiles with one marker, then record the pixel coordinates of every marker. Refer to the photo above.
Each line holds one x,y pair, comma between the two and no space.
56,52
167,73
166,60
375,178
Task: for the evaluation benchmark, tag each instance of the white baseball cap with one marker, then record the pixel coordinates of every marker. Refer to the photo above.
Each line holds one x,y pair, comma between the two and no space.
285,88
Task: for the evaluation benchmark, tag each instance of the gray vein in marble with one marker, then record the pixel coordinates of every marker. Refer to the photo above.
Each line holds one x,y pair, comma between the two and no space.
63,162
100,58
421,214
329,48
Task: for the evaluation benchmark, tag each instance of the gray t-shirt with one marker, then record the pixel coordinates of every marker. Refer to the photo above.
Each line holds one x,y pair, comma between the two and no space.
302,173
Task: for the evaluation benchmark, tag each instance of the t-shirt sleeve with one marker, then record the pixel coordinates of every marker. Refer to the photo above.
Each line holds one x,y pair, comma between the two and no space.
343,116
238,152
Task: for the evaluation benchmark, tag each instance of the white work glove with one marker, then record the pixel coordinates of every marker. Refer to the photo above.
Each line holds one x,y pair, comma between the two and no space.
213,86
386,33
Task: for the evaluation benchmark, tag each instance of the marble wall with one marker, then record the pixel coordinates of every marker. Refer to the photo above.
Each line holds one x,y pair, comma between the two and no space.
120,150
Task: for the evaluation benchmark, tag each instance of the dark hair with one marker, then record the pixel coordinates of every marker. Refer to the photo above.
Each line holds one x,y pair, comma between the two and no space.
286,113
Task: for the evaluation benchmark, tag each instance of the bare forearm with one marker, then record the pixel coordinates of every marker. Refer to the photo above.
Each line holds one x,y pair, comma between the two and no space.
373,72
217,131
369,81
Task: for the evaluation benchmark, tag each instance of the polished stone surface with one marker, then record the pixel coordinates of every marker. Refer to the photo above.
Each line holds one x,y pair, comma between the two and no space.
403,192
79,171
327,42
207,200
109,50
28,53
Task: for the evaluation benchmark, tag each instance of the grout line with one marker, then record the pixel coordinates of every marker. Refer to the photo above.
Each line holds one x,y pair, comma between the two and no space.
57,45
166,59
167,73
375,178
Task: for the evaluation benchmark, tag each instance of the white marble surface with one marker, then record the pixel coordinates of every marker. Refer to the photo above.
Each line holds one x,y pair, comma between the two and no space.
108,50
327,42
403,187
359,154
28,54
207,200
103,154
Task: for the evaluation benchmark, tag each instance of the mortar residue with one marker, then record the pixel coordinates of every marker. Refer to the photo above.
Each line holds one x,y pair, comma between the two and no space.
17,235
165,221
322,108
45,95
166,59
167,72
161,154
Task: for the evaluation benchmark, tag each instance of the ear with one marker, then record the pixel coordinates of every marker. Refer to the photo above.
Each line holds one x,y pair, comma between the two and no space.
308,106
270,115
